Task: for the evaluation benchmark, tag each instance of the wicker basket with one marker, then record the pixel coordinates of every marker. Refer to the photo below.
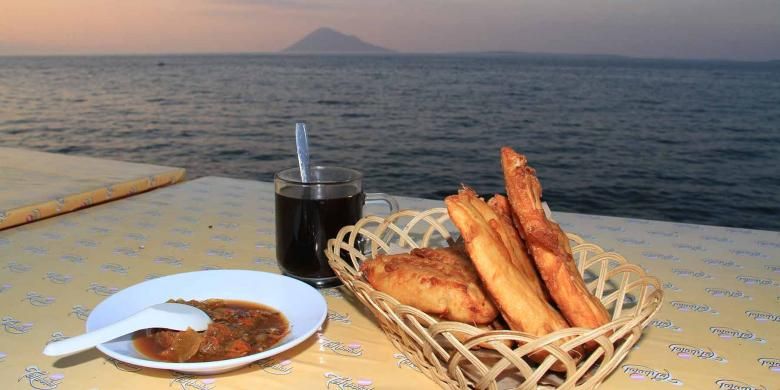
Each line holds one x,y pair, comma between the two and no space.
459,356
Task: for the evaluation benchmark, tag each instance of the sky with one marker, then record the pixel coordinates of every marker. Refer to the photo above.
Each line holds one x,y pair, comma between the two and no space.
723,29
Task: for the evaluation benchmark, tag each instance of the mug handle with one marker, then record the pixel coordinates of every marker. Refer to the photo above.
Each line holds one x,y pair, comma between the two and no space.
379,197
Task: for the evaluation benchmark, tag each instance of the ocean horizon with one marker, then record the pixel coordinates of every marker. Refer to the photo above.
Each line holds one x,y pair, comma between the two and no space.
684,140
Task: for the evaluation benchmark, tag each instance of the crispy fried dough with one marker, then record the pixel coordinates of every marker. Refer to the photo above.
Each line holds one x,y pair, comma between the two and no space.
521,304
437,281
549,245
511,238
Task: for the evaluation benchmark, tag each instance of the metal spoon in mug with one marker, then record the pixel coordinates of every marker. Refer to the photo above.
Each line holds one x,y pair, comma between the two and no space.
302,147
174,316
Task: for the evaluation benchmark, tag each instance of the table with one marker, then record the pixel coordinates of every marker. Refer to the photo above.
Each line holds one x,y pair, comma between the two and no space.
35,185
718,327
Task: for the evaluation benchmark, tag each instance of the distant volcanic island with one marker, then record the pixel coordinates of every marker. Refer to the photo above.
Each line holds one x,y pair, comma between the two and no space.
329,41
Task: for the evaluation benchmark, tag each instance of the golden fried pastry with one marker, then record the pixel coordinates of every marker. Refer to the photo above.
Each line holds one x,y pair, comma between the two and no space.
518,252
437,281
549,245
521,304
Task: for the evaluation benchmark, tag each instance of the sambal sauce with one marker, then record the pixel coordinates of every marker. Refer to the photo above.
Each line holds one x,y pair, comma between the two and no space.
239,328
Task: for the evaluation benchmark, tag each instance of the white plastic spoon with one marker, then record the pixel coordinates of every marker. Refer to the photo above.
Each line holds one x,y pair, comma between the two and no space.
174,316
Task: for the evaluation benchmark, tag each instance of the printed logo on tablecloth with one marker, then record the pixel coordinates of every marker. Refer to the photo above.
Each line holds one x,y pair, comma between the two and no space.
115,268
630,241
87,243
17,267
684,351
146,225
188,219
80,311
612,229
352,349
729,333
228,214
762,316
665,324
153,276
129,252
332,292
641,373
99,289
771,363
739,231
228,225
730,384
14,326
686,273
719,239
122,366
266,262
189,382
335,316
275,367
75,259
5,287
721,263
693,307
773,268
177,244
222,238
755,281
153,213
748,253
768,244
36,250
57,278
723,293
99,230
209,267
136,237
403,361
663,234
52,236
37,299
39,379
264,245
56,336
182,231
225,254
690,247
336,381
169,260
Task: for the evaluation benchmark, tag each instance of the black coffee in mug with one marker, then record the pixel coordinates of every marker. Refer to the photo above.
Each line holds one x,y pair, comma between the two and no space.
308,214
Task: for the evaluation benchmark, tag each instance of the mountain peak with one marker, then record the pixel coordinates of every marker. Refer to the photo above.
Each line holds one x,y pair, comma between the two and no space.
328,40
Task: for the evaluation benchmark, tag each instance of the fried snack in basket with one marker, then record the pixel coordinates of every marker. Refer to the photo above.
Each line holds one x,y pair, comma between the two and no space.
437,281
522,305
549,245
510,236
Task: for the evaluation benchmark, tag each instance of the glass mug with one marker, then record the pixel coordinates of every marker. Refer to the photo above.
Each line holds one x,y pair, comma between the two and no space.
308,214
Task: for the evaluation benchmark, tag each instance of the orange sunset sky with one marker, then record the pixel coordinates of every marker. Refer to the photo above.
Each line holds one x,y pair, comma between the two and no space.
743,30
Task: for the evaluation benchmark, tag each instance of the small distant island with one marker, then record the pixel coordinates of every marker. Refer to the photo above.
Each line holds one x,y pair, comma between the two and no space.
326,40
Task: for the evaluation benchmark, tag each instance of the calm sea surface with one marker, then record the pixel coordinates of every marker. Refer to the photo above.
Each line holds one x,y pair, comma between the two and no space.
686,141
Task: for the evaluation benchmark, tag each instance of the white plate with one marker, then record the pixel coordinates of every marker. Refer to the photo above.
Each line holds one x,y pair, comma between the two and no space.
303,306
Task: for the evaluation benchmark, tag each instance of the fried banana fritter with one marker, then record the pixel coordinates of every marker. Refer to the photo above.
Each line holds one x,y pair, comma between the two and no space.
440,282
549,245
